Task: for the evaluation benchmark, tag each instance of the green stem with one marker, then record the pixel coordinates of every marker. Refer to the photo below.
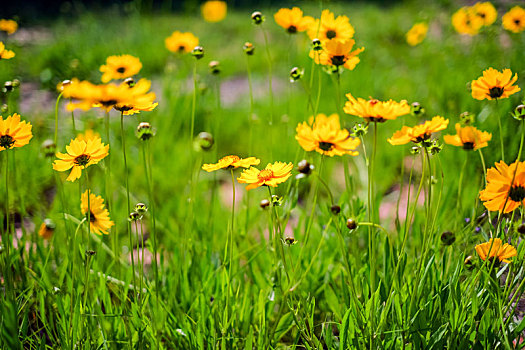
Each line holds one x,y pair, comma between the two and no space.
270,90
56,118
500,133
73,121
193,105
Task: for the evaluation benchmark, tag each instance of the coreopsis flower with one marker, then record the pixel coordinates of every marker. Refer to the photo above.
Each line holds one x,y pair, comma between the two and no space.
418,133
214,11
120,67
89,134
13,132
5,54
8,25
486,12
465,21
99,220
80,154
331,27
272,175
468,137
502,193
140,98
324,135
337,53
293,20
179,42
88,95
494,85
373,110
417,33
494,249
514,20
231,162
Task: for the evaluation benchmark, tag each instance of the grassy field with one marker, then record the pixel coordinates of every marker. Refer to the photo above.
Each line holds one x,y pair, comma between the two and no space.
207,266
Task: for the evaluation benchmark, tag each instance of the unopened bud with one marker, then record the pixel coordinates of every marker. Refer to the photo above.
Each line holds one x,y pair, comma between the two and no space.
317,45
416,109
198,52
359,130
248,48
49,148
4,108
276,200
335,209
521,229
141,208
130,82
265,203
134,216
257,18
447,238
290,240
304,167
296,74
467,118
16,83
214,67
145,131
351,224
519,112
90,253
204,141
469,263
8,86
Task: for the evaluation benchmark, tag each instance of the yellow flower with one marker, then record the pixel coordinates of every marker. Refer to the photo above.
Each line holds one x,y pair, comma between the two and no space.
13,132
494,85
181,42
272,175
495,249
468,137
88,135
501,193
373,110
293,20
120,67
465,21
140,99
228,162
324,135
5,54
80,154
331,27
8,25
418,133
337,53
46,229
417,33
486,12
214,11
514,20
99,220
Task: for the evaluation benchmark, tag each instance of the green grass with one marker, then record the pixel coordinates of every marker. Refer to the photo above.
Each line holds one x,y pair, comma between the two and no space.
423,298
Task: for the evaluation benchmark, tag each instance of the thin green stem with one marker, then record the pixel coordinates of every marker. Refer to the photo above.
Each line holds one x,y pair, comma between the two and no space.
500,133
56,118
270,90
193,105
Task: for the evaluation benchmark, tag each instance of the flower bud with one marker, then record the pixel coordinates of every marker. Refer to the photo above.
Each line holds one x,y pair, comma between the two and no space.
290,241
296,74
8,86
519,112
49,148
63,84
16,83
359,130
264,203
130,82
141,208
351,224
304,167
257,18
90,253
435,147
204,141
145,131
521,229
276,200
415,150
214,67
317,45
197,52
467,118
416,109
448,238
248,48
4,108
469,263
134,216
335,209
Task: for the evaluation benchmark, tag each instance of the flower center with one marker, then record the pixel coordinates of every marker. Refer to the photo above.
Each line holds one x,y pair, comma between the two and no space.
338,60
330,34
82,160
292,29
6,141
326,146
517,22
496,91
181,48
468,145
481,14
108,103
92,217
121,70
422,138
517,193
265,175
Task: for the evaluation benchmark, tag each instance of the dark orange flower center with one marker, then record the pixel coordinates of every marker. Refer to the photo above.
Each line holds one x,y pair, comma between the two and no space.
92,217
292,29
121,70
326,146
265,175
468,145
517,22
338,60
330,34
517,193
6,141
496,91
181,48
108,103
82,159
